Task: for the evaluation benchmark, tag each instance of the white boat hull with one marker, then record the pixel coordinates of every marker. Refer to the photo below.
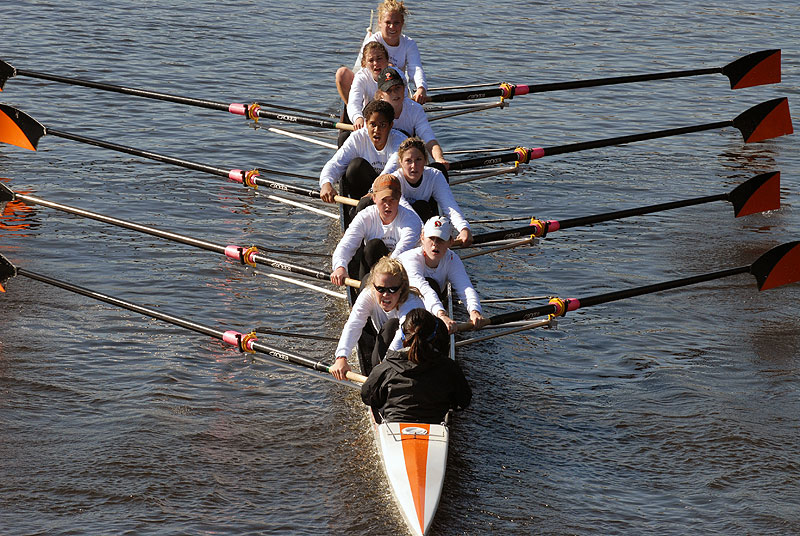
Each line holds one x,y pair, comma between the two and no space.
415,458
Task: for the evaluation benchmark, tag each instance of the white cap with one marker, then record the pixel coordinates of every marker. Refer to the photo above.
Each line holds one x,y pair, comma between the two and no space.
438,226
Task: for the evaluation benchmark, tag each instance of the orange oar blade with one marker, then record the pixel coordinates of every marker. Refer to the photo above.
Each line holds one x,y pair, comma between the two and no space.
18,128
758,194
756,69
778,266
764,121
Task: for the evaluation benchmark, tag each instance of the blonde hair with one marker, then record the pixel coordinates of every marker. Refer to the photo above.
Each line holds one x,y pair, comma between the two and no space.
391,6
412,143
392,267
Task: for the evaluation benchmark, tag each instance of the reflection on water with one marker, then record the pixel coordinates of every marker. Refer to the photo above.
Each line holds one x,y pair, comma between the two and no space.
669,413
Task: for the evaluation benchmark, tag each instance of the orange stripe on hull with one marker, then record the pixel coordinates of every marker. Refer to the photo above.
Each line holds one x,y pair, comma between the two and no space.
415,452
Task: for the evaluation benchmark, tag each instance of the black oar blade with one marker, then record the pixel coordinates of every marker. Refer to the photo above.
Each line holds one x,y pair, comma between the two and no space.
6,72
6,195
765,121
7,271
20,129
756,69
759,194
778,266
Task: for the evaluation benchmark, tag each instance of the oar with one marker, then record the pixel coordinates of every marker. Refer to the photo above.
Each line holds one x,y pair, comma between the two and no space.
244,342
251,111
778,266
757,194
20,129
250,256
755,69
767,120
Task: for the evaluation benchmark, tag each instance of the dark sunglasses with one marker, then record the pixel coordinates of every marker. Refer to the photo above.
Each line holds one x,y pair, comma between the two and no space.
384,290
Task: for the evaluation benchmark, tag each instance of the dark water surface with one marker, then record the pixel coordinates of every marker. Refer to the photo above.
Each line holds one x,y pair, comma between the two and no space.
672,413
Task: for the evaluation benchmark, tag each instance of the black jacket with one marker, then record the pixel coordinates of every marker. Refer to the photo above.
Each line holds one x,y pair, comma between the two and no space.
403,391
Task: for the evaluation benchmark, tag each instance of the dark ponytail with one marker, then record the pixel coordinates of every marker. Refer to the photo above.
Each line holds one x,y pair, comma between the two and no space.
424,335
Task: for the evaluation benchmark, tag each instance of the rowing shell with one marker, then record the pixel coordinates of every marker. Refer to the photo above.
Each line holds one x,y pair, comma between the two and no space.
414,455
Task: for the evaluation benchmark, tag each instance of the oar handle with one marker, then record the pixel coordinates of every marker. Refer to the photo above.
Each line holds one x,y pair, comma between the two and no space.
464,326
355,377
355,283
345,200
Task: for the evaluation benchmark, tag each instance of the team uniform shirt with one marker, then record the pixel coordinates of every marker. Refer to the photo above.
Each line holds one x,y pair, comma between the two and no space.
432,185
367,307
361,92
399,236
450,269
414,121
359,144
405,56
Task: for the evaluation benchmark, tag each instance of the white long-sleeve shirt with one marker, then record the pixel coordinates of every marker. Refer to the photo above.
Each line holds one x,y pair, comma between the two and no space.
359,144
413,121
433,185
361,92
450,269
399,236
405,56
367,307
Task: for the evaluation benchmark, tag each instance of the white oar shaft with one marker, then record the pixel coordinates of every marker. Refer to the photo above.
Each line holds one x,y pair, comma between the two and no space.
303,284
309,208
302,138
548,322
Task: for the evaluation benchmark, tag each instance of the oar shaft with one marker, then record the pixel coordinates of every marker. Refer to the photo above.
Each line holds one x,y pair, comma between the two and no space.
199,328
126,90
658,287
620,214
554,225
227,336
539,152
523,89
612,80
573,304
233,252
232,174
123,223
139,152
235,108
621,140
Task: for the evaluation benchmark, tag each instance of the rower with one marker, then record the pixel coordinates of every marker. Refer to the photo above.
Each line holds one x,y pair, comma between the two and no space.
431,266
420,383
363,156
426,190
403,51
384,228
374,60
386,298
409,116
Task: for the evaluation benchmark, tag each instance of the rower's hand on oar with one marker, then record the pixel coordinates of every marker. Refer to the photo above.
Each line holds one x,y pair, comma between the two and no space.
420,95
449,322
358,123
477,319
328,192
465,237
338,276
340,369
